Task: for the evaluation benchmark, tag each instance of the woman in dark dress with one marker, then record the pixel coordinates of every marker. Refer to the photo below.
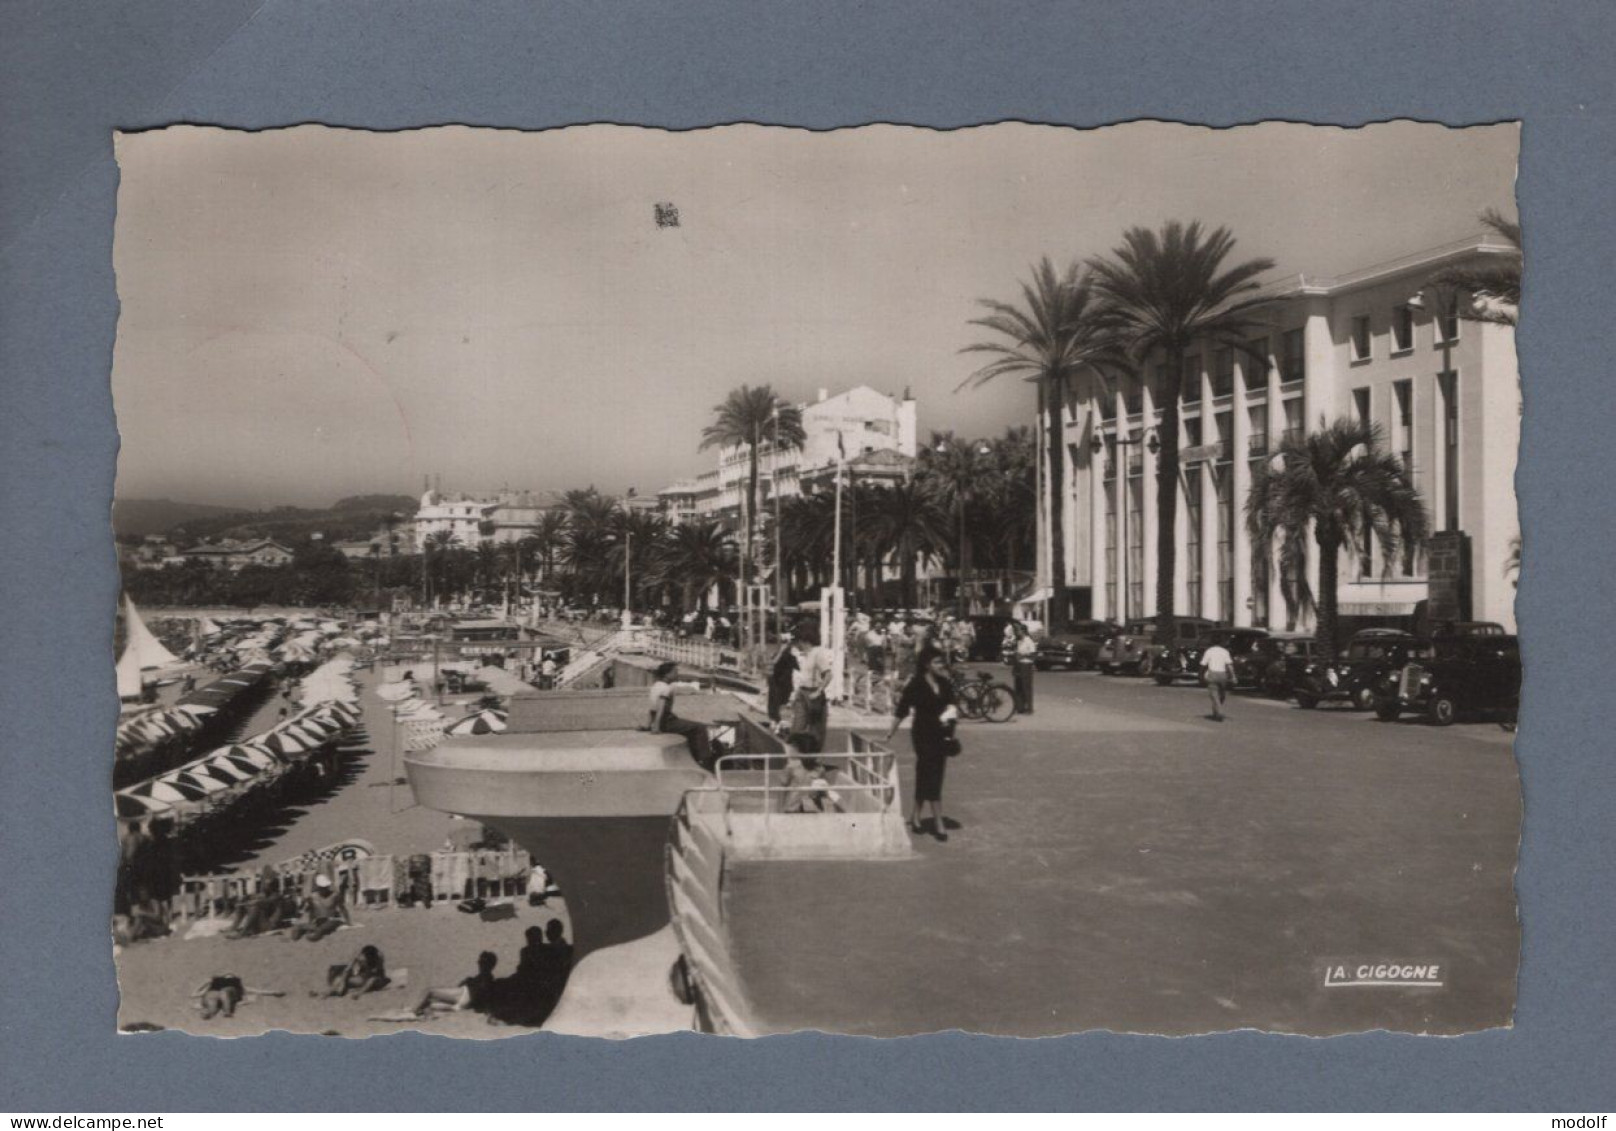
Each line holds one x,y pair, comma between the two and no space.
929,697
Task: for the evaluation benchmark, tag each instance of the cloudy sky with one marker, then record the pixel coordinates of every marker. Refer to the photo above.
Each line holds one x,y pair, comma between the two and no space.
312,313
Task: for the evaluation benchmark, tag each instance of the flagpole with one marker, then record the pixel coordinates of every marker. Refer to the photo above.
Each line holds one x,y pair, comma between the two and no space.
779,562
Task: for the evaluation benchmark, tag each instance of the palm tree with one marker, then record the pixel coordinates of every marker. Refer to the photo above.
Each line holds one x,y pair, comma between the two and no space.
905,521
953,468
1496,280
1058,331
696,557
752,416
807,532
1164,293
1340,483
439,541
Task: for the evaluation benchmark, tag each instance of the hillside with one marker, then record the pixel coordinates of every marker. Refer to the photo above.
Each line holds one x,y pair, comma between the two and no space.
350,518
136,518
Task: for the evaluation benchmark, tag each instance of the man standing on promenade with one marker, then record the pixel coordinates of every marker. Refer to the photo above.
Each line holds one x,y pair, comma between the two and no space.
1025,659
1217,668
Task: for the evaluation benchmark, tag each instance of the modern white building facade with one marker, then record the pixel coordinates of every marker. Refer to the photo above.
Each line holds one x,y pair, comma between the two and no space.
1444,392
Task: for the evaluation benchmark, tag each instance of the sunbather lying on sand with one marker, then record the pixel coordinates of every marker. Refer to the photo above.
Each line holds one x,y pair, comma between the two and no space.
473,993
221,994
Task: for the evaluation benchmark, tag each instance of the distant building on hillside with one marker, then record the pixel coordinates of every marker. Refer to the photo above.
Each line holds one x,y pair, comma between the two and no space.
233,555
471,520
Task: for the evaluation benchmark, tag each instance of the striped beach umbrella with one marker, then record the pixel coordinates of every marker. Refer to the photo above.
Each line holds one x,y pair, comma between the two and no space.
255,756
483,722
169,792
225,770
130,807
205,782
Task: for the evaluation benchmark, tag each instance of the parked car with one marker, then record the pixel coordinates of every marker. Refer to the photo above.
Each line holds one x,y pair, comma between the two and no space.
1462,674
1275,664
1127,648
1075,647
1352,677
1184,661
1448,629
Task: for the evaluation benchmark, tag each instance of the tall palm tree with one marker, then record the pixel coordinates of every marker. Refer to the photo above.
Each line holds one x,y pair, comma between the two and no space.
1340,483
1496,280
807,534
753,416
1012,501
904,521
1058,330
1164,293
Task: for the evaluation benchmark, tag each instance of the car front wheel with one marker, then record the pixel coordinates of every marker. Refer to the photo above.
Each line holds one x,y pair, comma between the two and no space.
1441,711
1305,701
1387,712
1147,665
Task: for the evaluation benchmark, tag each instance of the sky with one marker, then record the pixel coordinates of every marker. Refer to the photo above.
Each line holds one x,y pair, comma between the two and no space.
313,313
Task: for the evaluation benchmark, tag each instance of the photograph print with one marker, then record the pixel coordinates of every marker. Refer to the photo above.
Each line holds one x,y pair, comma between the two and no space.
1020,580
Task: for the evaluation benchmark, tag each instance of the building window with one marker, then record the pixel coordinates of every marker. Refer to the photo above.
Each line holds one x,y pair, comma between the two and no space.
1134,401
1362,340
1192,431
1257,422
1111,538
1403,430
1136,543
1223,480
1403,329
1447,324
1293,419
1292,360
1223,373
1366,534
1254,366
1192,380
1449,383
1108,406
1192,544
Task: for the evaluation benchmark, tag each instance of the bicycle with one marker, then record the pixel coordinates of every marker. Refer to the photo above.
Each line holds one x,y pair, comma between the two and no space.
984,698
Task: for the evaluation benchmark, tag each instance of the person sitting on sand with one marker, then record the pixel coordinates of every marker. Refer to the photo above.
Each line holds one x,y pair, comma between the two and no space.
366,974
262,912
474,993
220,995
323,912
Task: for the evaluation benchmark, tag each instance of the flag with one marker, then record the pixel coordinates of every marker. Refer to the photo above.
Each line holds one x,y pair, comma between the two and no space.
841,451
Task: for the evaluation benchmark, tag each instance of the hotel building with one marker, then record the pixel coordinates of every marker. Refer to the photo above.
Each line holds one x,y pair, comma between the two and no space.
1444,392
875,433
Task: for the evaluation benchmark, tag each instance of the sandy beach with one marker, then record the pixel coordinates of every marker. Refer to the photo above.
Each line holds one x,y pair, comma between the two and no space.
433,947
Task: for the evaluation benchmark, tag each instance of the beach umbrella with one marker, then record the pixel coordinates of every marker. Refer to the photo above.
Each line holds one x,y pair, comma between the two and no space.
483,722
196,711
249,768
226,770
206,783
170,792
394,692
254,756
281,743
255,747
130,807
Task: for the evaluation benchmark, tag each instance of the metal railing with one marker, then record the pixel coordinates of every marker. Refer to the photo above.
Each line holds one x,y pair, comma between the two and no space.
869,770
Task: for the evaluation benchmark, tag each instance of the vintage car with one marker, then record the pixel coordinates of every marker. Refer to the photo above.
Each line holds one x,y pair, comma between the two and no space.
1127,648
1449,629
1275,664
1462,674
1075,647
1135,648
1351,677
1184,661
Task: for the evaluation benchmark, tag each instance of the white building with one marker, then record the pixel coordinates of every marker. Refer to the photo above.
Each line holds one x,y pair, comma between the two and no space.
1445,393
854,423
504,516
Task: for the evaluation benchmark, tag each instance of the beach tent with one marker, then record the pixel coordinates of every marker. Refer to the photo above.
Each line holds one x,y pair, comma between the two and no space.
282,743
184,777
168,792
250,755
142,653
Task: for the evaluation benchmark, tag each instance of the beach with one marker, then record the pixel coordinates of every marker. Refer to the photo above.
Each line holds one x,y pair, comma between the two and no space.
422,947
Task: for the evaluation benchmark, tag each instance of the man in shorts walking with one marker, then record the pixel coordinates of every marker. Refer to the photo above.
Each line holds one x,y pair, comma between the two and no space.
1217,668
